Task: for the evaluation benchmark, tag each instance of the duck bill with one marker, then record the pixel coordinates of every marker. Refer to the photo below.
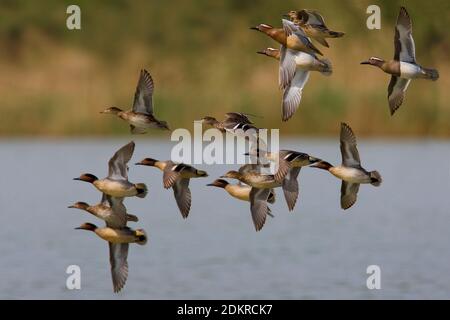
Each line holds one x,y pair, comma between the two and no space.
71,207
365,62
254,28
77,179
261,52
314,160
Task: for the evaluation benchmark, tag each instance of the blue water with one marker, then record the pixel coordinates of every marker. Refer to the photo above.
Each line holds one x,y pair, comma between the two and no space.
318,251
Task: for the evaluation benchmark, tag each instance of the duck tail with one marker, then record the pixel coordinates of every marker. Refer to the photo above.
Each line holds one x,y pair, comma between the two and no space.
431,74
375,178
141,236
326,68
335,34
132,218
141,189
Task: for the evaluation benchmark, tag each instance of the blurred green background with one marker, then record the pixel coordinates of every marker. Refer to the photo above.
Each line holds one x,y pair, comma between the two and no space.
202,56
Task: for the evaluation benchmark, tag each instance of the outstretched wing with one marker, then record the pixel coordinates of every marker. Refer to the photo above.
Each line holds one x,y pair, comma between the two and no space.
396,92
349,152
118,168
290,187
118,253
143,98
292,95
182,195
349,192
258,206
405,49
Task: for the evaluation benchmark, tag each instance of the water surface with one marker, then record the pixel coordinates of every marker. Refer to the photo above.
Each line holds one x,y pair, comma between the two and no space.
317,251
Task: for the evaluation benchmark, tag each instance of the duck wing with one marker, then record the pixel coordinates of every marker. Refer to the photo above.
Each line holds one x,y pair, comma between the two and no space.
349,152
287,67
118,168
396,92
290,187
143,97
119,217
284,162
118,254
292,95
258,206
405,49
182,196
170,174
349,192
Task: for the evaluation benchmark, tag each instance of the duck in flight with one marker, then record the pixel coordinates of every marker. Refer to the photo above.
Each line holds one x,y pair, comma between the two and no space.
313,24
114,218
242,192
232,122
287,160
177,177
290,36
118,240
294,74
140,117
261,183
404,66
116,184
350,171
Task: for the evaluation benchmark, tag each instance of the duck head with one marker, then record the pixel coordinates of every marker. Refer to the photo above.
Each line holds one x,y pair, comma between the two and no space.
262,27
270,52
79,205
313,160
147,162
87,177
374,61
201,173
322,165
87,226
111,110
220,183
209,120
232,175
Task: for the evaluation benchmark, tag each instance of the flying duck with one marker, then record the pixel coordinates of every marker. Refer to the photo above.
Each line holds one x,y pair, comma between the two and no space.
289,159
176,176
141,117
116,184
110,209
313,25
232,122
294,73
261,184
118,240
290,36
350,171
242,192
403,67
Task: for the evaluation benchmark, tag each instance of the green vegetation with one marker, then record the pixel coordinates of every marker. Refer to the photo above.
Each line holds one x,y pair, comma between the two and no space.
202,56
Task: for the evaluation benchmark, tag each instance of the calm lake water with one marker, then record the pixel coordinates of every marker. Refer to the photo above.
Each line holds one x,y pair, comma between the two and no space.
316,252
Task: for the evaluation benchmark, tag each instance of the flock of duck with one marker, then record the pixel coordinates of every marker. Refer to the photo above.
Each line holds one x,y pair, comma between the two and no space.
297,57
